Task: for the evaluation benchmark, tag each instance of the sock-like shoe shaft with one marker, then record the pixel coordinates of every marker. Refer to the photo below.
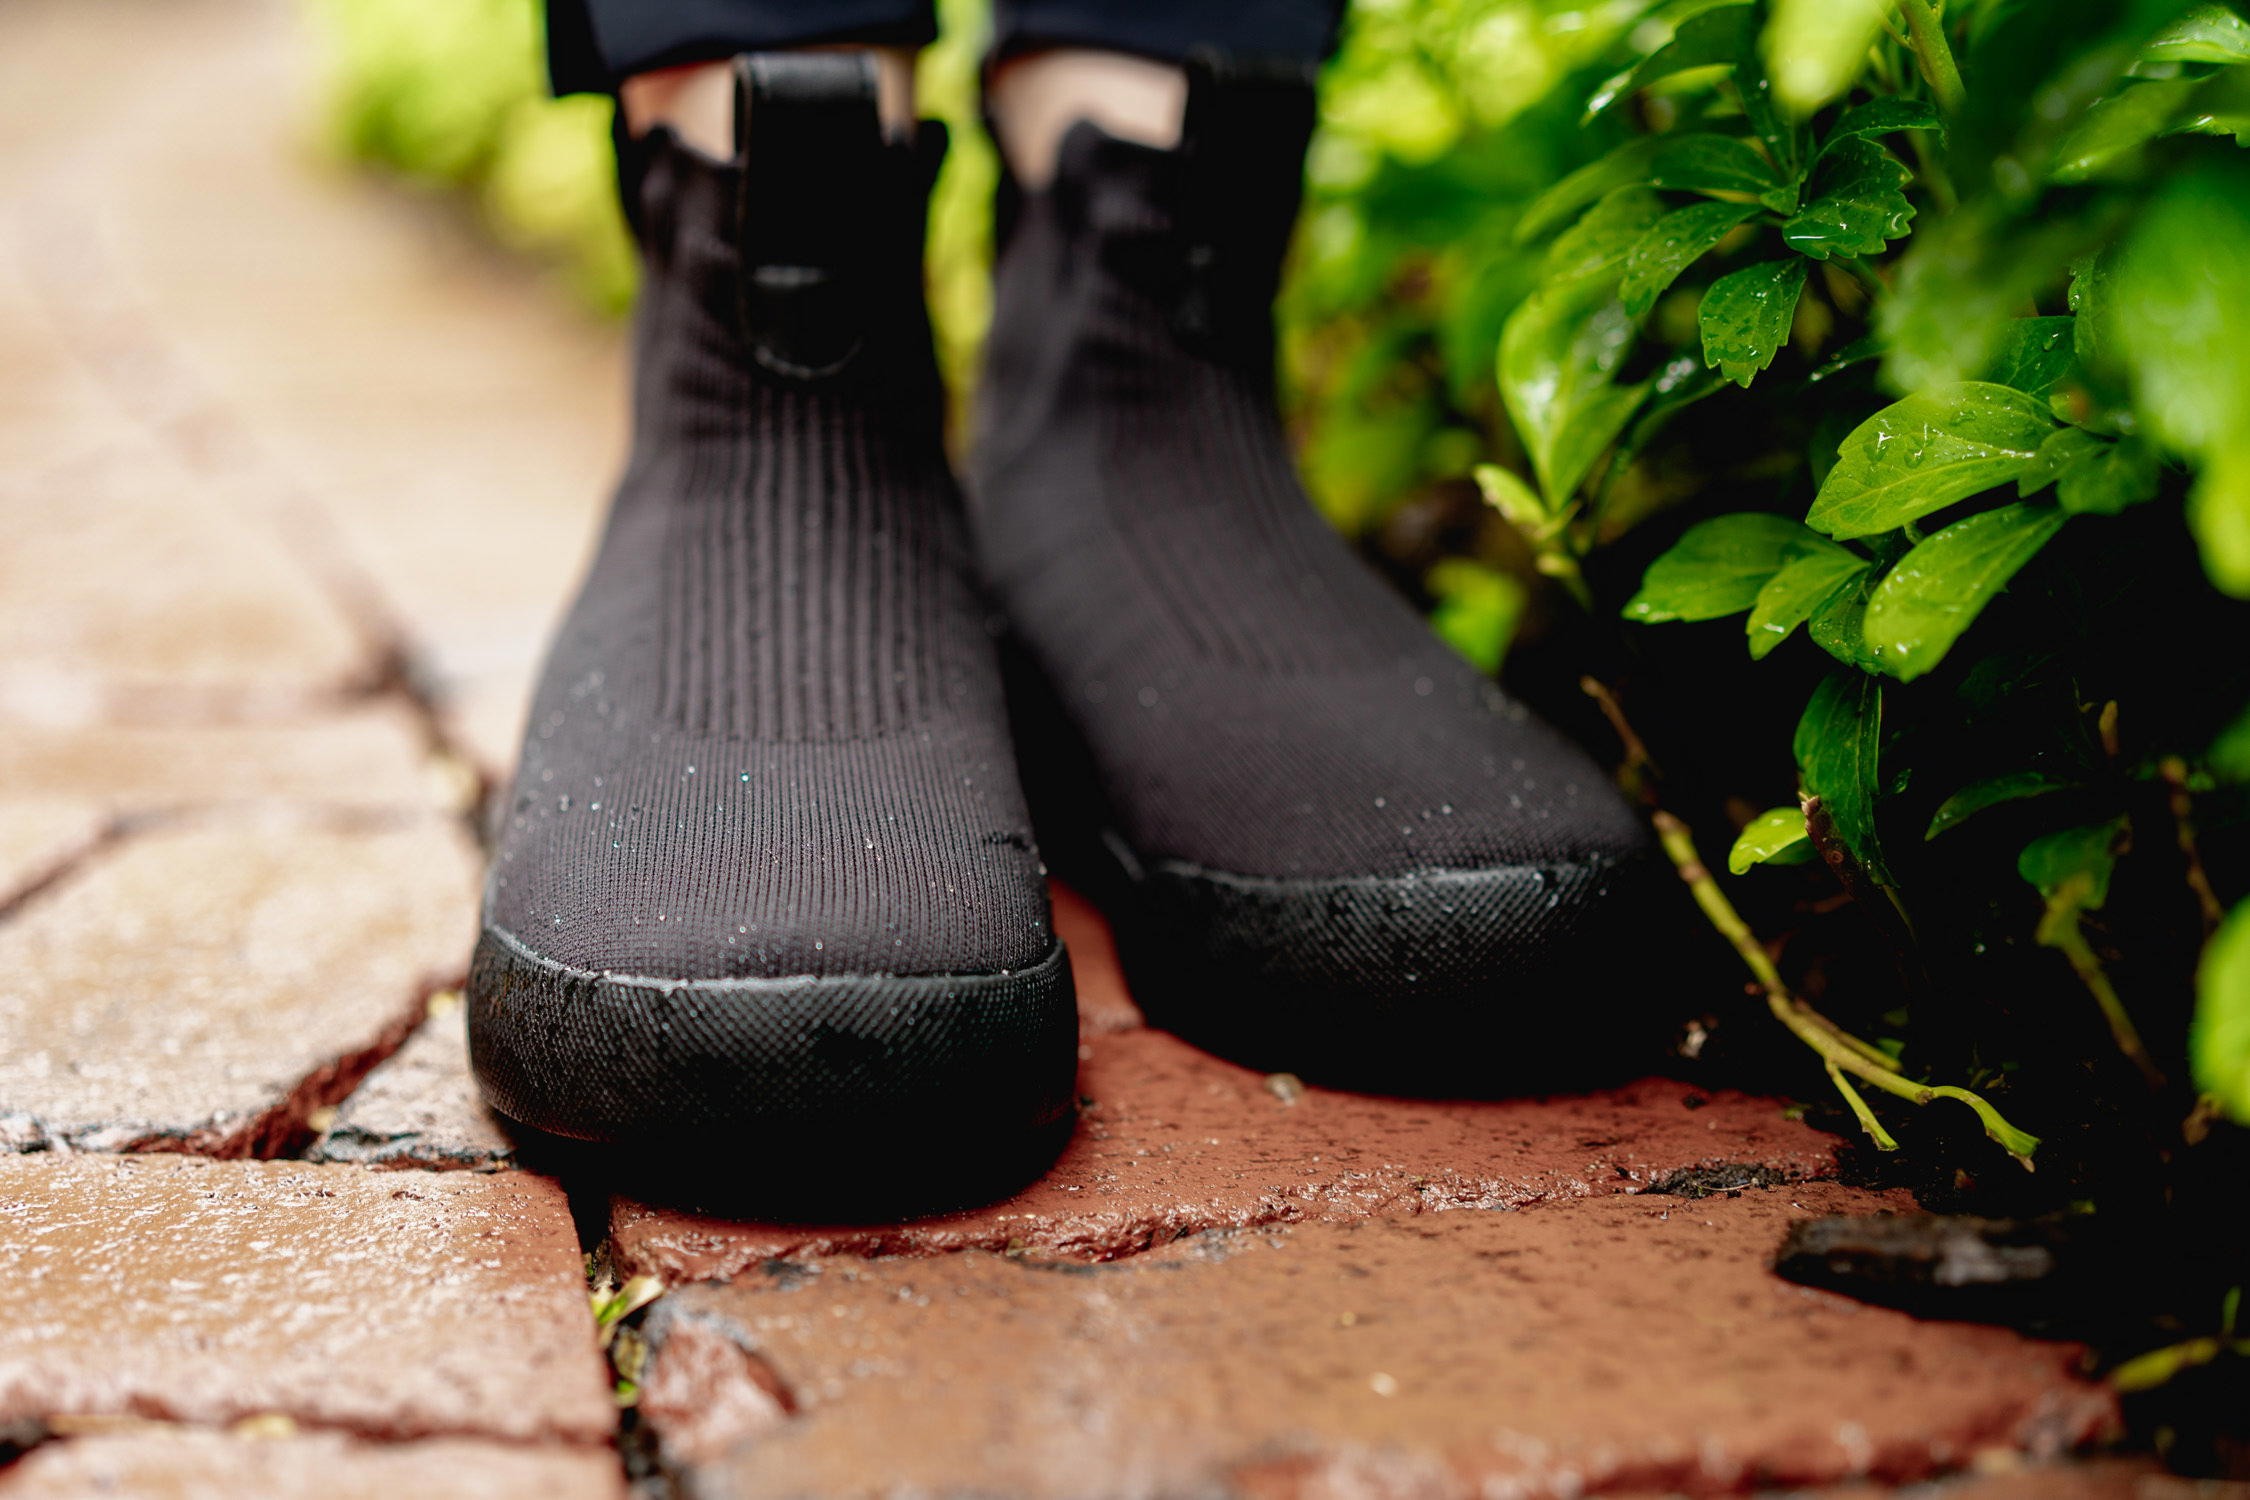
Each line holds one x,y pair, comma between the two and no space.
1254,700
770,739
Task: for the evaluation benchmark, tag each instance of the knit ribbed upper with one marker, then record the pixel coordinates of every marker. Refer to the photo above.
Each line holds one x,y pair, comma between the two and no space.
770,737
1255,700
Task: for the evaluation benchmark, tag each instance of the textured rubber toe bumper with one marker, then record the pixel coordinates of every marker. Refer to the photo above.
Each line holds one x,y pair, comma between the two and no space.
836,1067
1429,982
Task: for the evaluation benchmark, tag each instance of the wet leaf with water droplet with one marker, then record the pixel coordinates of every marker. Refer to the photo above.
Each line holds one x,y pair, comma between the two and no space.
1856,208
1879,117
1710,38
1937,590
1706,162
1776,836
2034,354
1716,568
1672,244
1746,315
1926,452
1560,349
1789,598
2209,33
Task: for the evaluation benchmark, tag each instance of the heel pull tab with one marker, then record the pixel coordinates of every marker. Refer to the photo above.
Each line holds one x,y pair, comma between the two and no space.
809,136
1242,142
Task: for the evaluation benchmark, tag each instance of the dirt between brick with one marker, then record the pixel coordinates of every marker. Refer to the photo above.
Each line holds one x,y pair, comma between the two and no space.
203,987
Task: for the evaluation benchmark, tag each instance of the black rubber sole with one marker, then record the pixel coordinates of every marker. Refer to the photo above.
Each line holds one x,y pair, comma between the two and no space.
1496,981
904,1087
1440,982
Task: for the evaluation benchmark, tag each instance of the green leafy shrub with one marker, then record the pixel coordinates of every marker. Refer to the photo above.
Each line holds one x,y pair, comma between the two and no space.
1937,328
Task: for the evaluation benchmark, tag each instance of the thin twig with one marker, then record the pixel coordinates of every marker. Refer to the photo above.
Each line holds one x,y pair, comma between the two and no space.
2062,930
2175,773
1842,1052
1638,773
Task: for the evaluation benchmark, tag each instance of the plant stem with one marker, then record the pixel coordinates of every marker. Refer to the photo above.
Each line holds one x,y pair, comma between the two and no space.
1925,33
2060,929
1934,175
2175,774
1638,774
1883,1139
1554,560
1842,1052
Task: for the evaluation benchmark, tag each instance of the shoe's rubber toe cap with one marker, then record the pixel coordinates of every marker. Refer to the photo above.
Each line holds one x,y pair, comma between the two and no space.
1434,982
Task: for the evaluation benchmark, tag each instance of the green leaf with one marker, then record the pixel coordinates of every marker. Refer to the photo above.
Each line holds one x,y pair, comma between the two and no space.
1563,343
2176,310
1708,163
1924,453
1599,242
2034,355
2071,866
1858,352
2206,34
1716,568
2219,515
1558,353
1704,40
1776,836
1964,277
1879,117
2178,305
1627,166
1816,48
2064,447
1746,316
1789,598
1856,208
1838,623
1672,244
1937,590
2113,478
2219,1039
1992,791
1837,744
2130,118
1509,495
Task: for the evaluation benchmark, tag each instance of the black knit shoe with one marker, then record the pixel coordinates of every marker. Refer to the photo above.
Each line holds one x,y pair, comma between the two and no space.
1329,844
766,875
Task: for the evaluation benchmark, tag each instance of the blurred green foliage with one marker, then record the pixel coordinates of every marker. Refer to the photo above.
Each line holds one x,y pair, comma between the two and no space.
452,94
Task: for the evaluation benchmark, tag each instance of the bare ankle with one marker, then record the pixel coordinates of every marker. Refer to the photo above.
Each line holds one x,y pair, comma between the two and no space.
1037,97
697,101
